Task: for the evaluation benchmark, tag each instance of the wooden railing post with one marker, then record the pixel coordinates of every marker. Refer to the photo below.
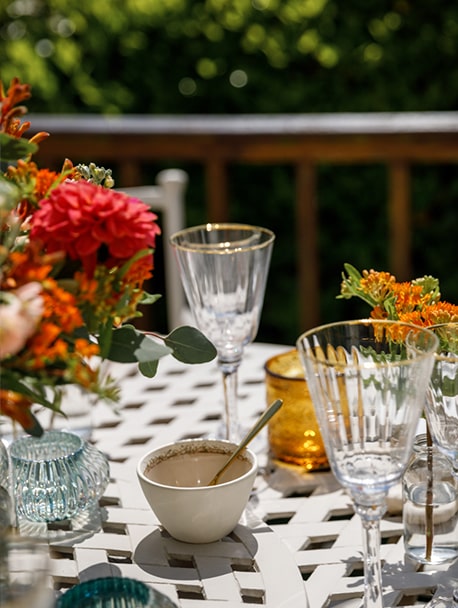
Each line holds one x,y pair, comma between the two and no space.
129,173
307,245
399,220
217,190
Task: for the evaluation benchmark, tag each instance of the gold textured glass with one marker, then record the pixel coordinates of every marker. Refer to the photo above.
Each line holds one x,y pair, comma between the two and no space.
293,433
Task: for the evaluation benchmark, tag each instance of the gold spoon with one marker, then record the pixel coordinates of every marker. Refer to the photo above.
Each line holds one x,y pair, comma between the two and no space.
260,423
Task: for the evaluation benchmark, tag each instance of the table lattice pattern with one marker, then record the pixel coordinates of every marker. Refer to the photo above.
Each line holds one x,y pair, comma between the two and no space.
298,539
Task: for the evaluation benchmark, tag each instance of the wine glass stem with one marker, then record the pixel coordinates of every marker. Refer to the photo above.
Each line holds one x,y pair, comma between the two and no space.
230,404
370,518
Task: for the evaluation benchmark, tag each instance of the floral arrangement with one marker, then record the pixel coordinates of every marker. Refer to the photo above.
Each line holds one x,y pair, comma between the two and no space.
417,302
74,256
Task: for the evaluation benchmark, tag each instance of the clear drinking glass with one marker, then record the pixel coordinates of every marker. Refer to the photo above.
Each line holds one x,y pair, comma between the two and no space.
430,506
224,270
24,574
442,395
368,381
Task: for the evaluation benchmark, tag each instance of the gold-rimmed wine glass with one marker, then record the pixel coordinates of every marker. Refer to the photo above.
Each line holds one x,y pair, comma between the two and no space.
224,268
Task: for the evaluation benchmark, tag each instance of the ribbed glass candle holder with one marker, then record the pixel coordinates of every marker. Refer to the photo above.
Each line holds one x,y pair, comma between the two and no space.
56,476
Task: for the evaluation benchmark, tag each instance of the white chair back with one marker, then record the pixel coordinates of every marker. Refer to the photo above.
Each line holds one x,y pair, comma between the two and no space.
168,198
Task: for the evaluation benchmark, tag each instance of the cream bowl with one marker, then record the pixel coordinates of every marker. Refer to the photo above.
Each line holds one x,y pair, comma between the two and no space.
174,480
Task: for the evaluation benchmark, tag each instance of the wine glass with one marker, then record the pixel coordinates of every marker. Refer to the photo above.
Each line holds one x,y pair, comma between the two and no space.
224,268
368,381
442,395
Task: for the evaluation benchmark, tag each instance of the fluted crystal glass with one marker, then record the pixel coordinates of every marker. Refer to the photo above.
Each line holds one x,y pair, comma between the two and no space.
368,382
224,270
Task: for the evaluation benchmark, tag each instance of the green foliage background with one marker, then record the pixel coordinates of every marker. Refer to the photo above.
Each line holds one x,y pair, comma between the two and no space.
262,56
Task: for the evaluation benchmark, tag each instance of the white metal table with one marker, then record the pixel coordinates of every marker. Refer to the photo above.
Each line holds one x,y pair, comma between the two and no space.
298,544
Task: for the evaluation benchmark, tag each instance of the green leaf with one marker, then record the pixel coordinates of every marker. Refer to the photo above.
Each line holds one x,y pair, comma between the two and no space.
189,345
128,345
149,298
14,148
11,383
105,339
148,369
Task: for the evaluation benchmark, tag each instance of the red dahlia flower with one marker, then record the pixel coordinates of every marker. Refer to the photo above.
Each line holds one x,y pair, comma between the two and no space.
94,224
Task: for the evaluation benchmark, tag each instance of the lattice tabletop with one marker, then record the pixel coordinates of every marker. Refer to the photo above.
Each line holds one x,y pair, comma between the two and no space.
298,538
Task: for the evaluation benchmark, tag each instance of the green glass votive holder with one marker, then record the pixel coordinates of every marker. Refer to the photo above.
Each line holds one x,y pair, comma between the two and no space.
113,592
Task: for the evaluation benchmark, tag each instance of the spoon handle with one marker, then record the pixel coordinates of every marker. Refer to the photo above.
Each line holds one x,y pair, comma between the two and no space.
270,411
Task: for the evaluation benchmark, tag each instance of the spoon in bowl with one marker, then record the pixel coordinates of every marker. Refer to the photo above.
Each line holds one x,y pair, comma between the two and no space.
260,423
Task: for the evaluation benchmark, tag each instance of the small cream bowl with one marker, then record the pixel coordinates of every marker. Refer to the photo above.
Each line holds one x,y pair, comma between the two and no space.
174,480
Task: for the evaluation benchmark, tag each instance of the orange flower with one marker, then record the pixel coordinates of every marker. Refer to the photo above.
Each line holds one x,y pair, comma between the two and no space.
441,312
34,183
377,285
140,271
50,344
27,266
10,112
417,302
407,296
17,407
45,180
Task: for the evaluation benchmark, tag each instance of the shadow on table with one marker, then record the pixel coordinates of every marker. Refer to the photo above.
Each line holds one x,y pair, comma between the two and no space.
69,531
159,554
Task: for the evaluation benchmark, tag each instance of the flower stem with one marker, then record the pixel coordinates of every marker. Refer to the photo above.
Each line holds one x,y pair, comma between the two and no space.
429,527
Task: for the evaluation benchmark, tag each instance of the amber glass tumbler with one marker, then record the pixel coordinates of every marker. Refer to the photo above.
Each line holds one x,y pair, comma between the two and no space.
293,432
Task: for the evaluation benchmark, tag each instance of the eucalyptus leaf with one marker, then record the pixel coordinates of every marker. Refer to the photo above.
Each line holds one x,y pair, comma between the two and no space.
128,345
149,368
189,345
150,298
14,148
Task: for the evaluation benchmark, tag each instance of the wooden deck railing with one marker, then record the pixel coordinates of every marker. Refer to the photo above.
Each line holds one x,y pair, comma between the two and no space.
398,140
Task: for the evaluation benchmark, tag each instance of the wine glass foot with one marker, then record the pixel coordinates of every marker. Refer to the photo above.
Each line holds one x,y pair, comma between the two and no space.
446,599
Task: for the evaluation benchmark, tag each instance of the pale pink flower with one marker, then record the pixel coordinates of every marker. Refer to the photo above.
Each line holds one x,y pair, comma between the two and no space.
19,317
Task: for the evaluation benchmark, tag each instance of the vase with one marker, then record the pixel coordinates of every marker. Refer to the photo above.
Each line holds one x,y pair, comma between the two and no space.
56,476
76,417
430,506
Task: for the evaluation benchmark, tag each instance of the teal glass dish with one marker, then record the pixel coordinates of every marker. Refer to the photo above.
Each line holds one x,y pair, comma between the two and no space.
113,592
56,476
